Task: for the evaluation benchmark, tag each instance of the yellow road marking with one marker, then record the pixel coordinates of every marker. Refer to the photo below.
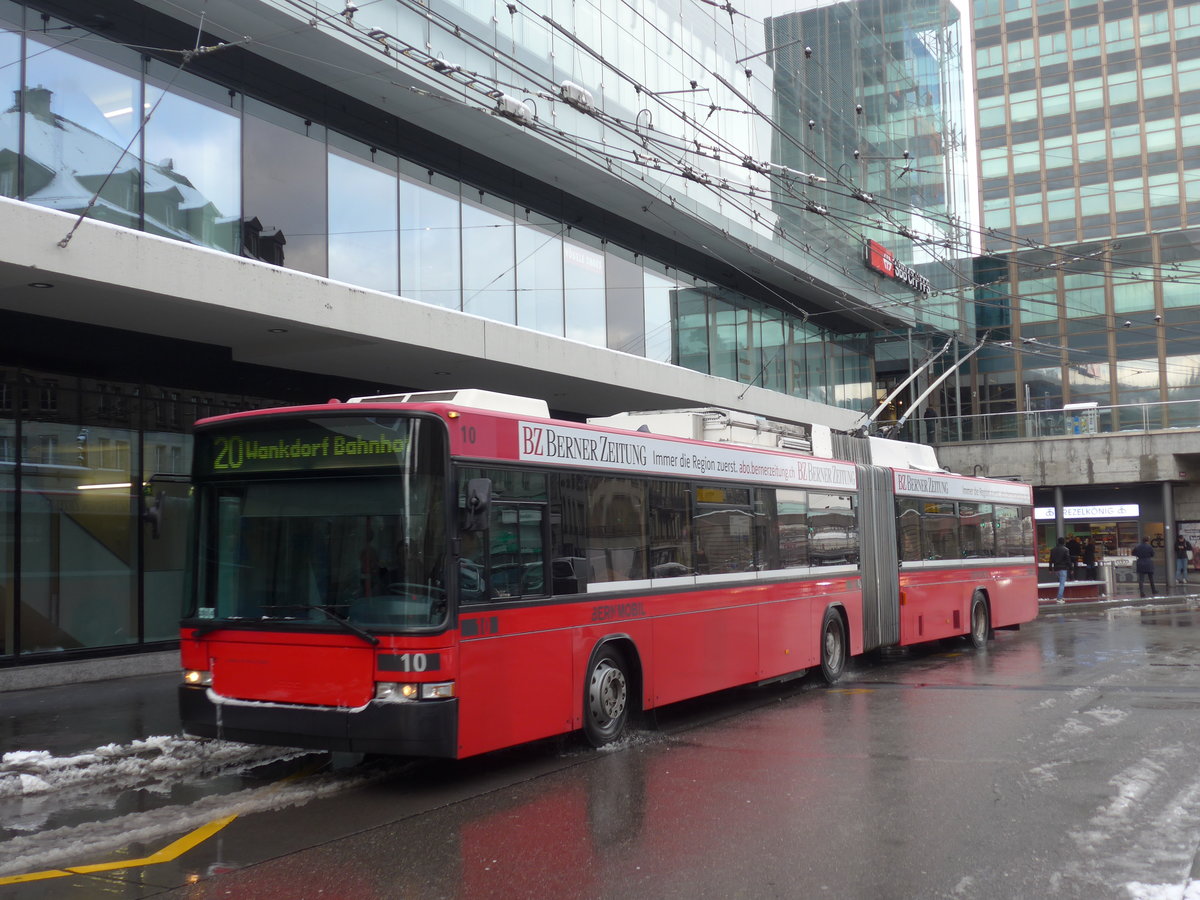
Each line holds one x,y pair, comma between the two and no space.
170,852
851,690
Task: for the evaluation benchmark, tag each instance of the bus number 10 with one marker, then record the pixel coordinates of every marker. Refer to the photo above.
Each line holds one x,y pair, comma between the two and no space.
414,662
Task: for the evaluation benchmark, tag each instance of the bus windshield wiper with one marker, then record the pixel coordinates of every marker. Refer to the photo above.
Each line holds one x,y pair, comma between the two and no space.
345,623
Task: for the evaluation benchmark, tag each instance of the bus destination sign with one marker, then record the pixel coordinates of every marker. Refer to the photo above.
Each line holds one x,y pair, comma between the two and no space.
300,447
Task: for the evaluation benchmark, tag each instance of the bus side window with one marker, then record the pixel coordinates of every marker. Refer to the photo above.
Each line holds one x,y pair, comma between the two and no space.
939,530
792,515
723,530
833,529
472,566
518,559
908,529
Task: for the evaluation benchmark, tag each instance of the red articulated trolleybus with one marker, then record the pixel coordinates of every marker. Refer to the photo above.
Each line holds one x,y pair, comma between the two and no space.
445,574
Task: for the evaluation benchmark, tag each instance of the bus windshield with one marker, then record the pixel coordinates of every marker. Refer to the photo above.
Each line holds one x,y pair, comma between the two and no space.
360,544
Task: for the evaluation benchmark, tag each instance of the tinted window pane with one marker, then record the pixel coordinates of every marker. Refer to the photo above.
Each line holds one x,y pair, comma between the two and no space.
516,556
77,556
167,462
1014,531
10,73
723,525
540,278
363,245
285,216
833,530
429,245
792,515
568,533
909,529
730,351
939,530
626,312
8,458
489,277
691,320
193,179
658,291
977,536
79,117
616,533
670,546
583,270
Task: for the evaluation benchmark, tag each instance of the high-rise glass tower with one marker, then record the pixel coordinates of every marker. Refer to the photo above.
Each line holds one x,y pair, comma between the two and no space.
1089,117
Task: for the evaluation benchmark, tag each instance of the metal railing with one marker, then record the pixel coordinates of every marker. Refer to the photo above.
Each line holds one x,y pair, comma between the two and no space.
1071,420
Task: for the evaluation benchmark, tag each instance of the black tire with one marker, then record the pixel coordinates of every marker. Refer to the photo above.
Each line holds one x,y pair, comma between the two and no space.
981,625
833,647
606,698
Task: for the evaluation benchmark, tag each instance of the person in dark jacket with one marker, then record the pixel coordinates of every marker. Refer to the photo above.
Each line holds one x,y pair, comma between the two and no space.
1089,559
1076,550
1144,554
1183,550
1060,562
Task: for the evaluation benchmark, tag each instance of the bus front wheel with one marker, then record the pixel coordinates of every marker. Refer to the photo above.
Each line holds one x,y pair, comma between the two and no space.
606,698
833,647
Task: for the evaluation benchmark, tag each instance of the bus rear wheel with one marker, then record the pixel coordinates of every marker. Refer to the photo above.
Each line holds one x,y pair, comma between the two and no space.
980,625
833,647
606,698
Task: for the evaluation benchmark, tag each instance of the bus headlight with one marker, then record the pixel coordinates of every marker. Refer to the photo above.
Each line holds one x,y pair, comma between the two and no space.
394,692
399,692
197,677
438,691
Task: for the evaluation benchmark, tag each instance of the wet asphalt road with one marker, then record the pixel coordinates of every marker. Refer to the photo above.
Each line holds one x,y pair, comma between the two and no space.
1061,762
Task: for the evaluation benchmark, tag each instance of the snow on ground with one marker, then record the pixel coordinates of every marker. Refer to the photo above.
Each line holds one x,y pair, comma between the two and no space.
1139,891
155,764
90,842
1107,716
150,764
1147,823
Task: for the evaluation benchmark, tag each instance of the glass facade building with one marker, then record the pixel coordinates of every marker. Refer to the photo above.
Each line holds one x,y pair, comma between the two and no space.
1089,118
782,138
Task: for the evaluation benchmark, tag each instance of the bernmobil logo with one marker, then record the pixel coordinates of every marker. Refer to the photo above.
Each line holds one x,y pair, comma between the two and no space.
880,259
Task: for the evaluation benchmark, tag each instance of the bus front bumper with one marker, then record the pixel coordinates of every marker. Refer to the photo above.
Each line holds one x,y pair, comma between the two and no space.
427,728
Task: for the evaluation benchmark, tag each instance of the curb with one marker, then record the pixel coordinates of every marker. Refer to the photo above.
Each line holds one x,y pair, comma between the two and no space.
56,674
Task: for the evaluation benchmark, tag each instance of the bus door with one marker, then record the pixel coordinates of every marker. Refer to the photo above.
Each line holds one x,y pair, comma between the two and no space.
515,655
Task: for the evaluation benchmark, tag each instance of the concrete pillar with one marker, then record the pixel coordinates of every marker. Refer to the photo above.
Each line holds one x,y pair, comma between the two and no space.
1060,528
1168,506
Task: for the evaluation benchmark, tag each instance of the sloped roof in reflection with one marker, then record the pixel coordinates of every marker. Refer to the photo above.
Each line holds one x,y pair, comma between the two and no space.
67,163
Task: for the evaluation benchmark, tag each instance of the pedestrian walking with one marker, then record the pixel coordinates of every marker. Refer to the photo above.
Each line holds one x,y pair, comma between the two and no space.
1145,566
1060,562
1183,555
1089,559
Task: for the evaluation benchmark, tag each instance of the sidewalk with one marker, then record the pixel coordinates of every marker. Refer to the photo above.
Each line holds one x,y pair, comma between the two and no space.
69,708
1126,592
70,719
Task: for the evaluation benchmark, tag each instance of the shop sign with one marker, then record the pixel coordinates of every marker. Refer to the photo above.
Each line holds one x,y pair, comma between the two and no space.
880,259
1121,511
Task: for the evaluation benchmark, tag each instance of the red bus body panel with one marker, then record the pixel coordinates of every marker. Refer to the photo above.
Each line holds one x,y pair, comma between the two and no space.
935,603
511,687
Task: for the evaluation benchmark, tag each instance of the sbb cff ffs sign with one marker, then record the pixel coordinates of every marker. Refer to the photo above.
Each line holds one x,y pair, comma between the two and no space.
880,259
